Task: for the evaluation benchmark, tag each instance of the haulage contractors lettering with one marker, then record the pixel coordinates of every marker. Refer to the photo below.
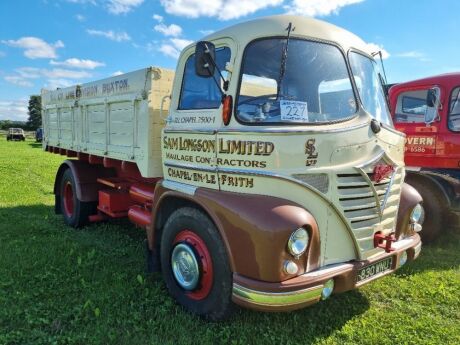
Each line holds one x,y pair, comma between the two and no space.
240,147
192,176
246,147
220,161
209,178
194,145
241,163
236,181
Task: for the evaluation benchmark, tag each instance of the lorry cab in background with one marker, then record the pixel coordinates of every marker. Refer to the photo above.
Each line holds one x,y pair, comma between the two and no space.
428,112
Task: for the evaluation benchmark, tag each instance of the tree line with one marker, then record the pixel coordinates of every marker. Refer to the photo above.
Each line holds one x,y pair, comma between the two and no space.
35,117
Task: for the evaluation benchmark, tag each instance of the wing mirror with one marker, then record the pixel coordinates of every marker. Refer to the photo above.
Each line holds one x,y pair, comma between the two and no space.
431,97
205,55
432,102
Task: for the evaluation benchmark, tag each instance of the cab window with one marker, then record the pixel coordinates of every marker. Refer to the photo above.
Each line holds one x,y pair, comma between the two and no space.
454,110
202,93
411,107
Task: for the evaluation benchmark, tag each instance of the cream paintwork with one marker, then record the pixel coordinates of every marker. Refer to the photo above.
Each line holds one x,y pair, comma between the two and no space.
237,37
123,123
338,152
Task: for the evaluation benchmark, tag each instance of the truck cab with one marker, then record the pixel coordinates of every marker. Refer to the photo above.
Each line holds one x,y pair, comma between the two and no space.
308,135
432,127
274,179
428,112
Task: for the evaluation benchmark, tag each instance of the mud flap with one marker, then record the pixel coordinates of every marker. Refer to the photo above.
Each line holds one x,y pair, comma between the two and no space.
152,259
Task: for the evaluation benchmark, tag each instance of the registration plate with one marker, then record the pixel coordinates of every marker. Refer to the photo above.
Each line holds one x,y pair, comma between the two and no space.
374,269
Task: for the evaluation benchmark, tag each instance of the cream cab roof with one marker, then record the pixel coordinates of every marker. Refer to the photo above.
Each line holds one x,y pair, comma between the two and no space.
304,27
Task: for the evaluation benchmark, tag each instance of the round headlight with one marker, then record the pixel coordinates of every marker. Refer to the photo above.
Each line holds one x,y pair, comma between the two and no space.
416,214
298,242
290,267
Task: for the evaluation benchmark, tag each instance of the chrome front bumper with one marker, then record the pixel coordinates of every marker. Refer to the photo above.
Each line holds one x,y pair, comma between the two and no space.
306,289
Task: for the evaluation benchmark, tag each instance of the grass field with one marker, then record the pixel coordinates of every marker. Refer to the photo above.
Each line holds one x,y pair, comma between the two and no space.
62,286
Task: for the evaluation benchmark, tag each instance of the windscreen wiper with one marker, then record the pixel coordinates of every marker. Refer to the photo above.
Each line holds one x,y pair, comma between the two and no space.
284,60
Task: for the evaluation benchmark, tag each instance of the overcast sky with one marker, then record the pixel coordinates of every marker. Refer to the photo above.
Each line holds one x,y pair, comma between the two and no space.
57,43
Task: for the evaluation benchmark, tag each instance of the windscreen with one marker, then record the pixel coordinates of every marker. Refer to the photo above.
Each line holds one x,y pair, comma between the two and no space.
294,82
370,87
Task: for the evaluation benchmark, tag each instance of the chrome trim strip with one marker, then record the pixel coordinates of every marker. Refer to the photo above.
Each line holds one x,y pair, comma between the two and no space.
277,299
294,130
388,191
189,166
262,130
190,131
374,191
179,187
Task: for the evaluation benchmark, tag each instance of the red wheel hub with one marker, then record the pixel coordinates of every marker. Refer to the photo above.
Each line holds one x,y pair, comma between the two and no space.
203,256
68,199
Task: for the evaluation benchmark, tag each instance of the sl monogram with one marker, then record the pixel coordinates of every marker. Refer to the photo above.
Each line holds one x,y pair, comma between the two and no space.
310,151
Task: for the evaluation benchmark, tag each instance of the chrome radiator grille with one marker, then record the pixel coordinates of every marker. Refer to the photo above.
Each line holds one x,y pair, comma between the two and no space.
367,205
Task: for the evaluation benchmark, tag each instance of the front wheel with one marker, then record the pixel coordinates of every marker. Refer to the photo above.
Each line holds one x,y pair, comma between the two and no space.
195,265
435,210
76,213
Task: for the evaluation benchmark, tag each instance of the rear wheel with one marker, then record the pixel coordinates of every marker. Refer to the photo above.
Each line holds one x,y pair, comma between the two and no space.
195,265
76,213
435,209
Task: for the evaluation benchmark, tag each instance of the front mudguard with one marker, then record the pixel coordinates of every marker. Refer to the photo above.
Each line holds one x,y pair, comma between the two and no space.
254,228
408,200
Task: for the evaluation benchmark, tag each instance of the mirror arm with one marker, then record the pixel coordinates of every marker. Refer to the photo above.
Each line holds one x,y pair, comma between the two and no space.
218,85
218,70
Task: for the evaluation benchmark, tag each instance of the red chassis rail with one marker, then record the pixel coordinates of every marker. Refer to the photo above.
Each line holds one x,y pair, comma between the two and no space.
117,186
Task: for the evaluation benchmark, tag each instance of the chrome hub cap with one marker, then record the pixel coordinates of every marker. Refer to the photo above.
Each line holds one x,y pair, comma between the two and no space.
185,266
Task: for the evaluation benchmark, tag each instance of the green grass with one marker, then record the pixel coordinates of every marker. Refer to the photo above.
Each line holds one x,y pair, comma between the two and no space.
61,286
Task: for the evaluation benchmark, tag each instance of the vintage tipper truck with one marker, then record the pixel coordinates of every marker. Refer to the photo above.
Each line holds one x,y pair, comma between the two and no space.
266,170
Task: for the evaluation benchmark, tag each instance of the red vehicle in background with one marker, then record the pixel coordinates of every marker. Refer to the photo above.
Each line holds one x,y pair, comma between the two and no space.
428,112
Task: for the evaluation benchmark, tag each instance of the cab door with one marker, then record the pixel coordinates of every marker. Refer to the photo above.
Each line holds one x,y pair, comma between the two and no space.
409,117
189,146
448,153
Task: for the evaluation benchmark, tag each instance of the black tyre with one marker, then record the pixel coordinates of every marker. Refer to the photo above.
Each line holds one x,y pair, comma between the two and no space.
195,265
76,213
435,209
